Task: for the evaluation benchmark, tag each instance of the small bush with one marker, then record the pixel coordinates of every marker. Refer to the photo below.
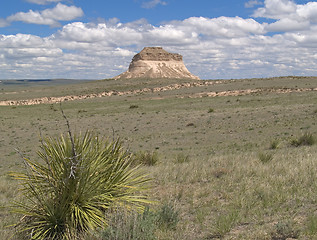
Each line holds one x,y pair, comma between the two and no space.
211,110
146,158
265,157
181,158
311,225
274,144
224,223
133,226
284,230
219,172
167,216
133,106
306,140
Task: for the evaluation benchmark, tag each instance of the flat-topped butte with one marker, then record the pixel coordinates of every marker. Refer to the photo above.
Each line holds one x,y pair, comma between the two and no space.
155,62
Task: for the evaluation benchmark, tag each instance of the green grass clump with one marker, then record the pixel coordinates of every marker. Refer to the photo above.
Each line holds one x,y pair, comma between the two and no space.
146,158
75,181
167,216
211,110
182,158
284,230
311,225
305,140
135,226
133,106
225,222
274,144
125,225
265,157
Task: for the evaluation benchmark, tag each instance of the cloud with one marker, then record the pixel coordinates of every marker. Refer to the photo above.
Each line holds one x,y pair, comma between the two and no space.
63,12
288,15
153,3
50,17
43,2
276,9
252,3
308,11
4,23
24,41
224,26
287,25
223,47
81,33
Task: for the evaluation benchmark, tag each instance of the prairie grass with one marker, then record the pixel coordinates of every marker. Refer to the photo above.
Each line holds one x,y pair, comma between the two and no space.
182,158
224,191
307,139
265,157
146,158
129,225
274,144
311,225
257,195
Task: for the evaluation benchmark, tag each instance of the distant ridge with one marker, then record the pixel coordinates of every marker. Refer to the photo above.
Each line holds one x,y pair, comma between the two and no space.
155,62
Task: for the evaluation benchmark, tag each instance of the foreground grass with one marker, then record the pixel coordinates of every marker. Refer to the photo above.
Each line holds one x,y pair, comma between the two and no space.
236,196
208,165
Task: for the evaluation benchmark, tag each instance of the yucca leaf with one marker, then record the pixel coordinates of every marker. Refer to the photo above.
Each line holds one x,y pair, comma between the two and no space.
72,185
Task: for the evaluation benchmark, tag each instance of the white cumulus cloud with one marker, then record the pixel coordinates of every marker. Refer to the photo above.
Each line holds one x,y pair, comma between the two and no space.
50,17
252,3
222,47
276,9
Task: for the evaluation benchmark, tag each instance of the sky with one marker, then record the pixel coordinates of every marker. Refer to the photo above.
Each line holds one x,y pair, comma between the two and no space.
96,39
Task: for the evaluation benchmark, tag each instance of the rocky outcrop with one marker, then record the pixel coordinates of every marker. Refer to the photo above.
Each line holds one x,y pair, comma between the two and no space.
155,62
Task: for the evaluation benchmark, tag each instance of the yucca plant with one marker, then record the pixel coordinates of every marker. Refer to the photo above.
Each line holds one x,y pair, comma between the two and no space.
76,179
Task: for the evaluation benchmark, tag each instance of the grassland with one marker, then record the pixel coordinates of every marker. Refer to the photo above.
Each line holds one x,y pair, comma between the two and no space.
212,164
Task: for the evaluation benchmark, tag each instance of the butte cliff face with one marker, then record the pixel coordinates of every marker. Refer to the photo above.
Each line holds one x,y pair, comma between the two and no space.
155,62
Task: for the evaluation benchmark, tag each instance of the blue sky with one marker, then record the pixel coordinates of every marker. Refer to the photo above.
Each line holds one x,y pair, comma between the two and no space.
97,39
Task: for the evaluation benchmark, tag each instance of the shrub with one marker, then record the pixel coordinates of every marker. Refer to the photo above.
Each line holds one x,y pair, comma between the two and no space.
311,225
133,106
181,158
274,144
284,230
211,110
125,225
146,158
79,178
265,157
224,223
219,172
306,140
167,216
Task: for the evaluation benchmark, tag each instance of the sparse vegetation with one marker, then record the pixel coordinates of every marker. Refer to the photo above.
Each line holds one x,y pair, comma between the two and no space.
307,139
211,110
284,230
274,144
125,225
311,225
224,191
265,157
133,106
167,216
182,158
225,222
146,158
